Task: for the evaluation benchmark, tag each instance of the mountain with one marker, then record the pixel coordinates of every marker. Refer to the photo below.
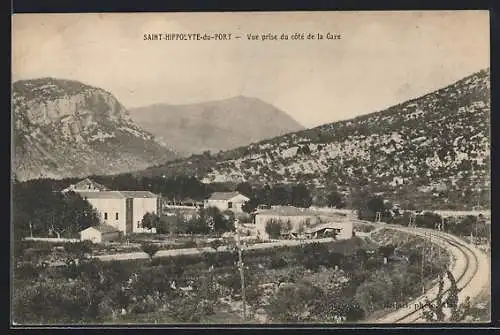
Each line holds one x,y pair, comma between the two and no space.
214,125
435,147
64,128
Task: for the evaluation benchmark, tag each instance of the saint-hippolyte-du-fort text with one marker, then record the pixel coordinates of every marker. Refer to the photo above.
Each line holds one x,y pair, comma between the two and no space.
231,36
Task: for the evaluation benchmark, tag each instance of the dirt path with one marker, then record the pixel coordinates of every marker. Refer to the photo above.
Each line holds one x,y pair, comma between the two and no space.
194,251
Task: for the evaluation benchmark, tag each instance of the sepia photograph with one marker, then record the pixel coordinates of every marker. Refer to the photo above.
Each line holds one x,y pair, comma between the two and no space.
281,168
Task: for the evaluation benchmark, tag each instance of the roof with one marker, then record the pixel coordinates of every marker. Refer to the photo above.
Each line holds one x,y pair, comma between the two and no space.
138,194
104,228
85,183
225,195
295,211
321,226
101,195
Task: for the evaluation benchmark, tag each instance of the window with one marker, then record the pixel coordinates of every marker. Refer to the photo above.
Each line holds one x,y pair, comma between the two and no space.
116,216
105,216
229,204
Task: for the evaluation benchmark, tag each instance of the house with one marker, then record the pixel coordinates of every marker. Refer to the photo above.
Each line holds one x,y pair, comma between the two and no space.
86,185
101,233
110,206
300,220
224,201
123,210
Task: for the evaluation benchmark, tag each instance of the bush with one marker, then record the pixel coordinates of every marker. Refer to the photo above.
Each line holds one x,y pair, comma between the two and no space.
26,271
150,248
55,301
313,255
296,303
273,229
78,249
427,220
278,262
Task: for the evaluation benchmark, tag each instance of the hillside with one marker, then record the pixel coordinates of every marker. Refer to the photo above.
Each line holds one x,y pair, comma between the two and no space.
434,149
215,125
64,128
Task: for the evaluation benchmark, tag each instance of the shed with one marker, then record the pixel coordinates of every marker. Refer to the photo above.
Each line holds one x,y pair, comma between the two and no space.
101,233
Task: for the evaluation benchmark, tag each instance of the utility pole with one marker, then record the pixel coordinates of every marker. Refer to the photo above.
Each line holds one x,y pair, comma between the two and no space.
430,254
242,274
422,264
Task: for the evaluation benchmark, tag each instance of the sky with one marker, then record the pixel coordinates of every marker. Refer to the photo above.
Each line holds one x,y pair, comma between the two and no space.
381,59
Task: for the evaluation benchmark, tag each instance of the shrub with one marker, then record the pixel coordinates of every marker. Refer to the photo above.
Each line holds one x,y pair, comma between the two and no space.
313,255
26,271
150,248
78,249
273,229
296,303
427,220
278,262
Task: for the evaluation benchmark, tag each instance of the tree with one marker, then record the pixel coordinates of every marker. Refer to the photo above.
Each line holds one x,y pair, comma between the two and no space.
376,204
219,222
386,250
245,189
151,249
273,229
39,204
215,244
251,205
313,255
334,199
427,220
433,311
300,196
295,303
151,220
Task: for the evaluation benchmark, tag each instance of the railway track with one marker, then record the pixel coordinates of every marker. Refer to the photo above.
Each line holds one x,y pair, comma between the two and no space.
469,270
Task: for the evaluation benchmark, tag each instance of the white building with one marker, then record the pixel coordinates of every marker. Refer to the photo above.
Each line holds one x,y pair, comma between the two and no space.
123,210
305,220
110,206
138,203
232,201
99,234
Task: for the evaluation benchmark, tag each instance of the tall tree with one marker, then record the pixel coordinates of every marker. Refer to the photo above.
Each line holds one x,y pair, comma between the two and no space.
300,196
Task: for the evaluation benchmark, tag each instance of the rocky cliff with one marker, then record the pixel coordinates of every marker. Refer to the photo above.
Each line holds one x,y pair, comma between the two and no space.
64,128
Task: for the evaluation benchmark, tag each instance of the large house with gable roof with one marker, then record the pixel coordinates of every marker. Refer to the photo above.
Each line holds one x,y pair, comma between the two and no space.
122,210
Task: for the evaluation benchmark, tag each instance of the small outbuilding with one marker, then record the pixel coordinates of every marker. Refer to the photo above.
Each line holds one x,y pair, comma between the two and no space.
99,234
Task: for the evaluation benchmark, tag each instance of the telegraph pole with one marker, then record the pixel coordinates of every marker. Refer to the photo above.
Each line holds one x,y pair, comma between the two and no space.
422,264
430,254
242,274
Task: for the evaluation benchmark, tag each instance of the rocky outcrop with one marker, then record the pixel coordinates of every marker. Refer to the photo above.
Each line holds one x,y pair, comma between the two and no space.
65,128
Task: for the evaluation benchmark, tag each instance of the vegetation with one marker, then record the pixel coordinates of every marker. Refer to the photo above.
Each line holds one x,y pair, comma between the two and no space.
273,229
39,209
150,248
434,310
351,289
400,152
